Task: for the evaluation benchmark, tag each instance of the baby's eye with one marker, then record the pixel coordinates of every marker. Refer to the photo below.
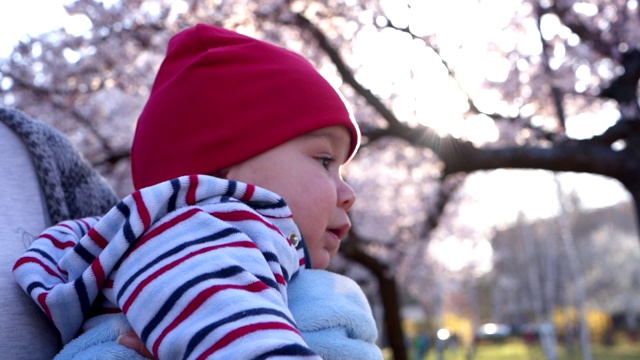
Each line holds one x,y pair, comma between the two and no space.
326,161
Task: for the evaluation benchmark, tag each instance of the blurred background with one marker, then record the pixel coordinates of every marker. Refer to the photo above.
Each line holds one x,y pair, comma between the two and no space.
499,179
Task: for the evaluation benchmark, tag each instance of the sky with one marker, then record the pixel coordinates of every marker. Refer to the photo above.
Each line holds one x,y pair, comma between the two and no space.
497,196
34,17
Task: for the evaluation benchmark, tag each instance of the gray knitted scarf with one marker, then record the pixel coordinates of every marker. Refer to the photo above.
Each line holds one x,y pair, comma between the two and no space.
72,188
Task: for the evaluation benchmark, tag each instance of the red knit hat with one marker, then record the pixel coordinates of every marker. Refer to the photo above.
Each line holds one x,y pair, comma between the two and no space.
221,98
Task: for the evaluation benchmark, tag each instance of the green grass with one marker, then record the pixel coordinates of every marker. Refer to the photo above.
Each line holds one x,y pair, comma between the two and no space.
518,350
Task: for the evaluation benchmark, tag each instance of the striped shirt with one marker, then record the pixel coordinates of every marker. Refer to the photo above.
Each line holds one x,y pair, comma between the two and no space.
199,266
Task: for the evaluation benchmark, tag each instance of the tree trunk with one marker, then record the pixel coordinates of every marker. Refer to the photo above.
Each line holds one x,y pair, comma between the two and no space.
633,186
388,290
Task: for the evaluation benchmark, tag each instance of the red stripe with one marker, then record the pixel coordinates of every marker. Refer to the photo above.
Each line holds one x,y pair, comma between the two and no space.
42,300
65,225
248,193
97,238
244,331
280,279
98,271
57,243
195,304
30,259
243,215
136,292
142,209
61,270
163,227
191,192
85,223
108,284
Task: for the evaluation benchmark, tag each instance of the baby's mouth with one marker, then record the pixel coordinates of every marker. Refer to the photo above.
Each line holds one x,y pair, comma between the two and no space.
340,233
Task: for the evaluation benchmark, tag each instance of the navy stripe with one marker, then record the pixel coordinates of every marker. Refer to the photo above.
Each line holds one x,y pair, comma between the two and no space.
83,296
124,209
128,233
228,194
43,254
62,231
285,273
295,275
231,188
226,199
177,294
84,253
263,204
175,186
287,350
220,234
126,227
204,332
307,254
36,285
271,257
269,282
83,228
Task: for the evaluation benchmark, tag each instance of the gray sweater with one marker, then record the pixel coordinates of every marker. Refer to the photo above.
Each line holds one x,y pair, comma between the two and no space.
72,188
43,180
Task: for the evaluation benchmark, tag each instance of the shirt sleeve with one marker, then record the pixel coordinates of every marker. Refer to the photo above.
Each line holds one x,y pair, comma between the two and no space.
52,273
197,273
198,287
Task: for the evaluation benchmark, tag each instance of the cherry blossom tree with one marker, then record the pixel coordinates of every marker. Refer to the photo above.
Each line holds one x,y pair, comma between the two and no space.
440,91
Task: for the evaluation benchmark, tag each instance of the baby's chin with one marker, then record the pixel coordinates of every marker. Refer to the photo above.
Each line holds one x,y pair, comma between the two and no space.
321,261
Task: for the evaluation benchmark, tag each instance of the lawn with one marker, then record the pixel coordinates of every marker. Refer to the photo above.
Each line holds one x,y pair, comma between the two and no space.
518,350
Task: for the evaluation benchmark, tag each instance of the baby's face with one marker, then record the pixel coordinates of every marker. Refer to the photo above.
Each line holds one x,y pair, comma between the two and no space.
305,171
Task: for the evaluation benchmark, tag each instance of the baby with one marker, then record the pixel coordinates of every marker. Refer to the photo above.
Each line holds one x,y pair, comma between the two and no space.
237,162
